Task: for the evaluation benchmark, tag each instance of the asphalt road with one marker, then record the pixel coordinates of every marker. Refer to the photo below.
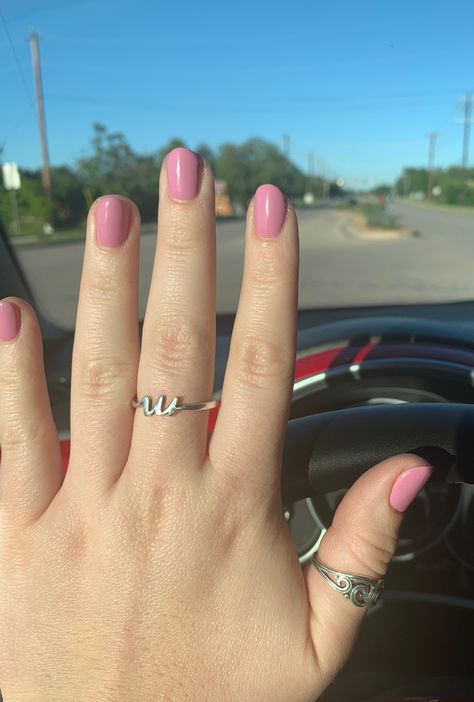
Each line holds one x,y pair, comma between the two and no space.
337,268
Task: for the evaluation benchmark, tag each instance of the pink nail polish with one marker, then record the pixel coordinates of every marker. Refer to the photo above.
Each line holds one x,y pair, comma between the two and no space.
112,221
269,211
10,317
182,170
408,485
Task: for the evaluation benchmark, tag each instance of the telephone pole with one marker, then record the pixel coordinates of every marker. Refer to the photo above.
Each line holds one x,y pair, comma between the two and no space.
431,161
46,176
467,130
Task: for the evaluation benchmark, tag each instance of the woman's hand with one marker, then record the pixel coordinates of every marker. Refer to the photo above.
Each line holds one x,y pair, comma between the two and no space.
161,568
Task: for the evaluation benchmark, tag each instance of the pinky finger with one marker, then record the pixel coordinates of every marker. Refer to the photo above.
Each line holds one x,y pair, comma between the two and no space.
30,473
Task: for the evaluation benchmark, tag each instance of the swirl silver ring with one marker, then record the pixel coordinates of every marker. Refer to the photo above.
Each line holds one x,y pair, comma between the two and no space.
361,591
161,411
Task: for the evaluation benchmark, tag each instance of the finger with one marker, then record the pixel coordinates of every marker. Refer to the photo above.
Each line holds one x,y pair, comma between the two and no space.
177,356
106,345
258,380
30,473
361,541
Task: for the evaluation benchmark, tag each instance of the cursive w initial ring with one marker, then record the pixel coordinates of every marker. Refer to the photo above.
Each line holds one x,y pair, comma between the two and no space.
161,411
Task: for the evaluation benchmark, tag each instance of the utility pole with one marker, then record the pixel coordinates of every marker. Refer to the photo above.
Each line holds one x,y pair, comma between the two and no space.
406,183
431,161
46,177
286,145
467,130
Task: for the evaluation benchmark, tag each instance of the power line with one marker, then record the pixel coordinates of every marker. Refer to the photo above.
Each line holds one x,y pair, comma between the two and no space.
17,60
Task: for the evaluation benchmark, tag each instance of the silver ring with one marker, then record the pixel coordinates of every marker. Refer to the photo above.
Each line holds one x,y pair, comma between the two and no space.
160,410
361,591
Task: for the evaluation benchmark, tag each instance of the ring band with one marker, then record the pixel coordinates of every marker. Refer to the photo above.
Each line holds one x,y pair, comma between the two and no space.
158,408
361,591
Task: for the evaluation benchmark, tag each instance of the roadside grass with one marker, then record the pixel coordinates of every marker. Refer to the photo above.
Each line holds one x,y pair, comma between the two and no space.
440,206
377,216
31,234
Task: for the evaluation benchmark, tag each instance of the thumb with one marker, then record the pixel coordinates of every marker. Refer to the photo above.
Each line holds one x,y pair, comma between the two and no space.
361,541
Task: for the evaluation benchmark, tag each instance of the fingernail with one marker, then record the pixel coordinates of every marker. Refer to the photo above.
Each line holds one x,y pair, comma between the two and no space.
408,485
112,220
10,317
182,170
269,211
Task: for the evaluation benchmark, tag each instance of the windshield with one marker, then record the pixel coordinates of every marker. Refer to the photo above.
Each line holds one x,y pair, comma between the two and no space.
359,112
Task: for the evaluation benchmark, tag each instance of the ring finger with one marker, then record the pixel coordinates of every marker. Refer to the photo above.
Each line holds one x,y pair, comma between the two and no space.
177,357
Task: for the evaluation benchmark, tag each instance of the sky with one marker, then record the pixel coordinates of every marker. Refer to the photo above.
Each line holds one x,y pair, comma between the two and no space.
358,84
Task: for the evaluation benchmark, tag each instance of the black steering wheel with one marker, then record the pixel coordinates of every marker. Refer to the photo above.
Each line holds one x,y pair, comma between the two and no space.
329,451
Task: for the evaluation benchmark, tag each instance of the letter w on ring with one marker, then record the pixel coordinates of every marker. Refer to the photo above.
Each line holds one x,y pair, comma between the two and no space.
157,408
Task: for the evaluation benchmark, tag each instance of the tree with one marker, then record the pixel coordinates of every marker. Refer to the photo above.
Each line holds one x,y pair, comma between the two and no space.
174,143
107,168
208,155
113,167
382,190
34,207
257,161
69,199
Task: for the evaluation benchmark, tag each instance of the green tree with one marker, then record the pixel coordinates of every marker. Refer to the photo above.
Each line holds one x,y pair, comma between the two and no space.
107,168
208,155
34,207
257,161
413,180
382,190
174,143
113,167
69,200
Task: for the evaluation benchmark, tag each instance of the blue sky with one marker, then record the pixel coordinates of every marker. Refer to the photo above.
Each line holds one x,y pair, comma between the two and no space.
360,84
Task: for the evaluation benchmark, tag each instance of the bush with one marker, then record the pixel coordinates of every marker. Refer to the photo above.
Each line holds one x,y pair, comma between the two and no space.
378,217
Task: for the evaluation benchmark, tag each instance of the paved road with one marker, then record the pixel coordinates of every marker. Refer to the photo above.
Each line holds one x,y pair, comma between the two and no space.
337,269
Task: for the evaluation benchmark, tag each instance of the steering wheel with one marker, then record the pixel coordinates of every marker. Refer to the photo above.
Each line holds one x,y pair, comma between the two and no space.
422,369
329,451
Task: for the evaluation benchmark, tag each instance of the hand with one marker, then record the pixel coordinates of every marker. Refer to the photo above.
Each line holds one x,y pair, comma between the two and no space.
161,568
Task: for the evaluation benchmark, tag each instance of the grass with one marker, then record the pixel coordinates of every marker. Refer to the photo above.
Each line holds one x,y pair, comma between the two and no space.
32,234
377,216
443,206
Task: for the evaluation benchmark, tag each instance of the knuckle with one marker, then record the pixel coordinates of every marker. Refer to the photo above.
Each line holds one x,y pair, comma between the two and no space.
374,554
178,342
103,376
260,360
103,282
19,435
268,268
181,237
10,376
20,364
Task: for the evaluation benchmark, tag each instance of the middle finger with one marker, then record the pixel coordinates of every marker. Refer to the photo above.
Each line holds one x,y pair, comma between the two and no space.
177,357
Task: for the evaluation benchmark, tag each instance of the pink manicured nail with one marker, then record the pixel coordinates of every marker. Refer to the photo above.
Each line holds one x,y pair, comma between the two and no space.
269,211
408,485
9,321
182,169
112,219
